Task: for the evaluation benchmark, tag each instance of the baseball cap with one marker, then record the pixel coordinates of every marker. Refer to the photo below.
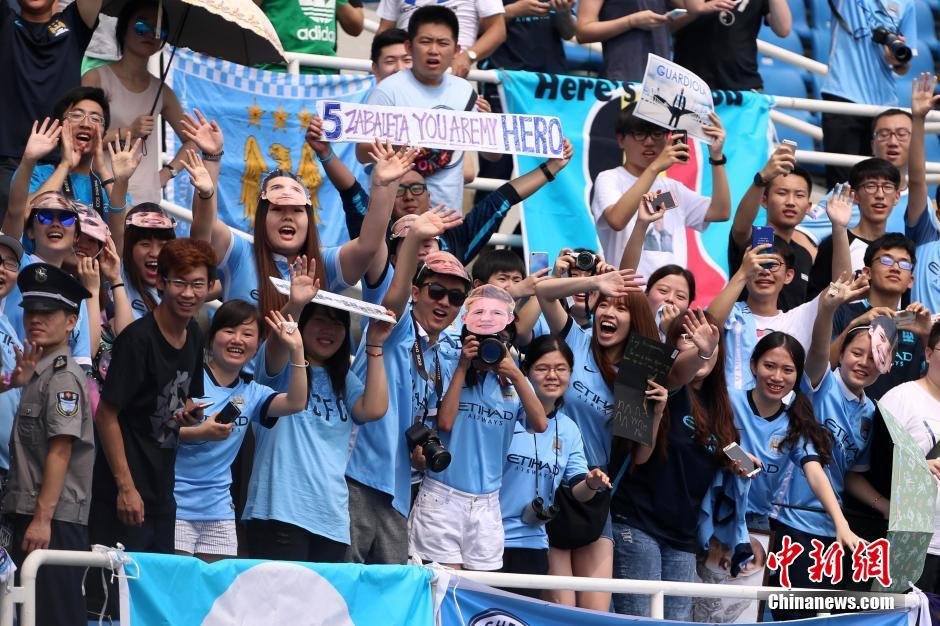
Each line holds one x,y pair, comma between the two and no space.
14,245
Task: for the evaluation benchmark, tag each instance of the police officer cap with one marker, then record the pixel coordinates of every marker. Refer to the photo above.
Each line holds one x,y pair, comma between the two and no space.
47,288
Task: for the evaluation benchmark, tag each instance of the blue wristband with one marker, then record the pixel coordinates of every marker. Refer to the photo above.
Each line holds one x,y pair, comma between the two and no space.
327,159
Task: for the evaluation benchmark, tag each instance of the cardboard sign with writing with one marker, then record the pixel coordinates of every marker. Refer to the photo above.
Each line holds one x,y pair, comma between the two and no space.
643,359
513,133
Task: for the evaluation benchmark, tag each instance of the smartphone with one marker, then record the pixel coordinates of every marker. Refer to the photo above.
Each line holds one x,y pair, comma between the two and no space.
789,143
664,201
734,452
676,13
761,235
228,414
904,318
537,261
681,136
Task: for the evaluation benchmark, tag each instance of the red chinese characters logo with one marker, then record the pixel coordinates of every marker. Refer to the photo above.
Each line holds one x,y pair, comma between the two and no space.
870,560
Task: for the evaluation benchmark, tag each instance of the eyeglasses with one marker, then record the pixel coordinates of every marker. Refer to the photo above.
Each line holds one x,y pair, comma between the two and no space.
142,29
888,261
884,134
545,370
415,189
771,266
437,291
198,286
77,117
871,188
9,263
47,216
643,135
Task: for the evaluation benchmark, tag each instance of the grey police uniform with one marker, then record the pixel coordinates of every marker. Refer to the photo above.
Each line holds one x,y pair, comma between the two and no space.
54,403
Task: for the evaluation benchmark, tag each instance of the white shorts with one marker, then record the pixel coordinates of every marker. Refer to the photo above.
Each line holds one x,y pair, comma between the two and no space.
453,527
207,537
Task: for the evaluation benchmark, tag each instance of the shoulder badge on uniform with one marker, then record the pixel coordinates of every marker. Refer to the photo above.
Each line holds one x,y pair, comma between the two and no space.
66,403
60,362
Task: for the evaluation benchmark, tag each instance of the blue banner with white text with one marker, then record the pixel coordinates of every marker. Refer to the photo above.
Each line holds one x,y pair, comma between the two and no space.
264,116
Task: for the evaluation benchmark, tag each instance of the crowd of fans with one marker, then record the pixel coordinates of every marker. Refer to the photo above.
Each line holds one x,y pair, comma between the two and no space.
475,429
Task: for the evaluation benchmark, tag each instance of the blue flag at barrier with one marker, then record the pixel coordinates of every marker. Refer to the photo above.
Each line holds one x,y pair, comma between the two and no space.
184,590
264,116
559,215
468,603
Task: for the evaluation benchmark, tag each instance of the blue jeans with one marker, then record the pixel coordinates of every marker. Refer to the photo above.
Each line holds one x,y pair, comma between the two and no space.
639,556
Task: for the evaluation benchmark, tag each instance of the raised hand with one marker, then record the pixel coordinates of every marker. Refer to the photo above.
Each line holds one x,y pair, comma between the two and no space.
656,397
125,157
923,98
198,174
109,261
26,361
716,132
390,164
703,334
285,329
204,133
42,140
673,153
754,258
563,263
781,162
379,330
314,136
558,164
839,205
647,213
843,289
304,283
88,274
619,283
69,155
526,287
434,223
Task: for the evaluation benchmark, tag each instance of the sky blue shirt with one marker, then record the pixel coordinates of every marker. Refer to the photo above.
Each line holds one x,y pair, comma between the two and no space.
858,71
138,306
762,437
849,419
817,225
81,187
204,468
551,457
298,473
78,339
9,400
240,276
380,458
926,289
481,435
588,400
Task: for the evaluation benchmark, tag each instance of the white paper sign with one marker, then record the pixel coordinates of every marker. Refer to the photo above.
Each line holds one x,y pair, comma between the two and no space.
535,135
673,97
336,301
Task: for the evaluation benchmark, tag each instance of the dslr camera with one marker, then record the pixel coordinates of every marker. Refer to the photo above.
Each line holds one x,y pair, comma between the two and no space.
536,513
492,347
898,48
584,260
437,456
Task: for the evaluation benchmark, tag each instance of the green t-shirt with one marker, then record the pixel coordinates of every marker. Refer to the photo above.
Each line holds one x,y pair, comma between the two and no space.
307,26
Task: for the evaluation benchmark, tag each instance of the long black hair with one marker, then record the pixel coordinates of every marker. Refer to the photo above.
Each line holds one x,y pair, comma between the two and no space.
802,423
337,366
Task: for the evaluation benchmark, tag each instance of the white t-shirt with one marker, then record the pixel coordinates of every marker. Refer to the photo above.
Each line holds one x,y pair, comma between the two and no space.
469,13
403,89
919,414
797,322
666,239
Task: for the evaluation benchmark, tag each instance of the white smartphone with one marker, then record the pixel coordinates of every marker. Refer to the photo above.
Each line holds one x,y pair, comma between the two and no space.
736,453
676,13
790,144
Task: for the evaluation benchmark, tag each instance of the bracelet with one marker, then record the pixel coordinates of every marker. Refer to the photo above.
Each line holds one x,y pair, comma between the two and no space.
719,161
116,285
709,357
212,157
547,172
169,167
328,158
211,193
372,345
117,209
302,365
380,353
107,182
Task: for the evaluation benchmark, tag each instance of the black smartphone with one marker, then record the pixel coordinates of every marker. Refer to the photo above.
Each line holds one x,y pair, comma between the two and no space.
681,136
664,201
228,414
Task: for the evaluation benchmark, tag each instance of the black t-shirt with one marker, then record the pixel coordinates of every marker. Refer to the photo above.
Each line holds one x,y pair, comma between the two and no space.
821,275
908,356
532,43
38,63
148,381
663,496
793,293
723,56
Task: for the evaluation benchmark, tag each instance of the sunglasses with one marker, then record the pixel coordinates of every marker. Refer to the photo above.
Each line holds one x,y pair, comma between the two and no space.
47,216
437,291
143,29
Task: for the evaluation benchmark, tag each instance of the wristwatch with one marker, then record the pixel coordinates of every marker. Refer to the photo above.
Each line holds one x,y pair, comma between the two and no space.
759,180
169,168
471,55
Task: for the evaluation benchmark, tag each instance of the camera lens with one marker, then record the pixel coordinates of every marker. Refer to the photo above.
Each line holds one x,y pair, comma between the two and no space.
585,261
491,351
438,458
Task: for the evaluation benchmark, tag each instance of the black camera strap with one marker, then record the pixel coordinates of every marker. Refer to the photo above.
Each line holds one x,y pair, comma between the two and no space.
417,354
97,197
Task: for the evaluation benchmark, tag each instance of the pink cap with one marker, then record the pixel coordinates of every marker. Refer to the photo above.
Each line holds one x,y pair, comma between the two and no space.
444,263
91,223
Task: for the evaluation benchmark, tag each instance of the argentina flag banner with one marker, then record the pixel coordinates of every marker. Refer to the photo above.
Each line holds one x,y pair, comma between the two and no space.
264,115
182,590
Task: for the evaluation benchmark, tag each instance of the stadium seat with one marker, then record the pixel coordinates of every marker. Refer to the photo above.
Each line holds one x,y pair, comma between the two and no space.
926,29
923,62
820,14
582,59
800,21
791,42
781,80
